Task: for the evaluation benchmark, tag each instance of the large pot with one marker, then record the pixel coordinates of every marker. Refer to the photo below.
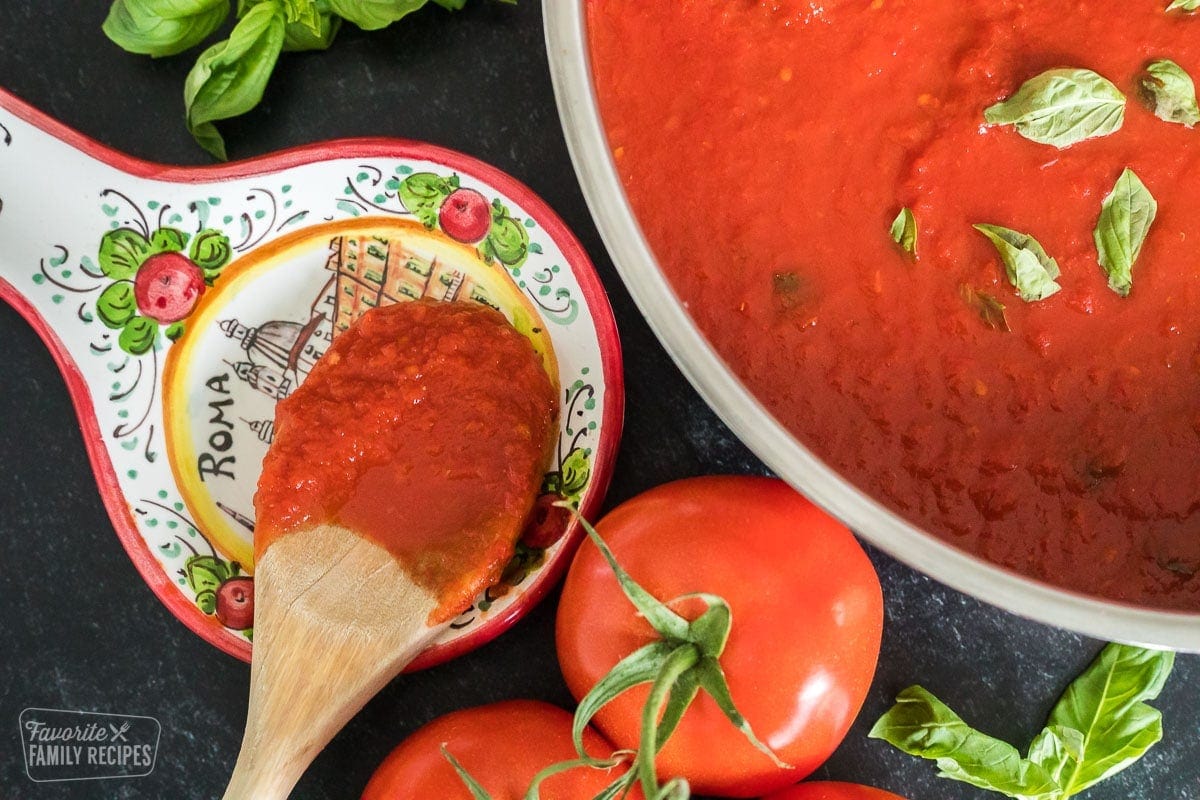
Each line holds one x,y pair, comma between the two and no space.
569,64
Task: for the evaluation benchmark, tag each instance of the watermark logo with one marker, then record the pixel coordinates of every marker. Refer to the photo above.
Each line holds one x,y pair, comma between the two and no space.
64,745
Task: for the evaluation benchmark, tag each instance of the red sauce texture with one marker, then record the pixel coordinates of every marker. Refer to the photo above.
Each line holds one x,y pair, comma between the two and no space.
766,147
426,428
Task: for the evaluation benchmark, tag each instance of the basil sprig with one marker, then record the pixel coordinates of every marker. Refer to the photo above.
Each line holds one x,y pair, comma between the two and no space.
1125,219
904,231
1099,726
1026,263
1169,92
1062,107
229,78
156,28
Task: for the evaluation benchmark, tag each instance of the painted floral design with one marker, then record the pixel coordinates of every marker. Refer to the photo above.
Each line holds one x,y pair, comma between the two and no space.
222,590
154,284
465,216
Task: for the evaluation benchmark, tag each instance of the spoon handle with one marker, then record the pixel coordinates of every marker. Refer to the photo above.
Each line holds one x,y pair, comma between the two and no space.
336,618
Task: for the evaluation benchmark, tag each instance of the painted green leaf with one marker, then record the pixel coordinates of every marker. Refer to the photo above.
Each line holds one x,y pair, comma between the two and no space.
163,27
921,725
168,240
122,251
374,14
116,305
1107,703
423,193
137,337
174,331
1169,92
575,474
210,250
1125,219
206,601
1184,5
1026,264
904,231
1062,107
229,78
507,239
205,572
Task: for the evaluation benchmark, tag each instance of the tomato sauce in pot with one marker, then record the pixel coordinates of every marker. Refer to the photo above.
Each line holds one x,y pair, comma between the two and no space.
767,145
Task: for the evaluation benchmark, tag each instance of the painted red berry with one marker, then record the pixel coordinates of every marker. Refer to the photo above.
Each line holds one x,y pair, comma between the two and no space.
167,287
547,522
465,215
235,603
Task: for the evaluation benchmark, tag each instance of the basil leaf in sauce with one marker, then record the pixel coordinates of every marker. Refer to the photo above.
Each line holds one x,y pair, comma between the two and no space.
1027,265
1107,705
229,78
163,27
904,231
1169,92
1099,726
989,309
1125,218
1062,107
1184,5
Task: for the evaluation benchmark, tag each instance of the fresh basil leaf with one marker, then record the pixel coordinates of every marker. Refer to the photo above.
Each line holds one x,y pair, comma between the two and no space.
229,77
904,231
1107,704
921,725
1169,92
1184,5
1062,107
163,27
372,15
298,37
1057,750
306,14
116,305
122,251
456,5
1027,265
1125,219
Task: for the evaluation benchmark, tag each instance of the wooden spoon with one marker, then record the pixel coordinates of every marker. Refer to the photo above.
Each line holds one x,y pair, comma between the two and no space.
400,478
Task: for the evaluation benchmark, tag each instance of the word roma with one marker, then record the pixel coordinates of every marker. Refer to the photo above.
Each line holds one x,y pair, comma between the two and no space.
220,440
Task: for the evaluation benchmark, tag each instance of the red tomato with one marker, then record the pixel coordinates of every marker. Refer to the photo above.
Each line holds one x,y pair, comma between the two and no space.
807,618
502,745
831,790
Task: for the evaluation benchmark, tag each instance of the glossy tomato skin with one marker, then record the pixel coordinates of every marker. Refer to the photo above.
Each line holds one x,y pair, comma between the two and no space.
807,619
502,745
832,790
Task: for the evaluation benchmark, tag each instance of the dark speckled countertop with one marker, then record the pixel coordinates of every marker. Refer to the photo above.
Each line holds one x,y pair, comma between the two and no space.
81,631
